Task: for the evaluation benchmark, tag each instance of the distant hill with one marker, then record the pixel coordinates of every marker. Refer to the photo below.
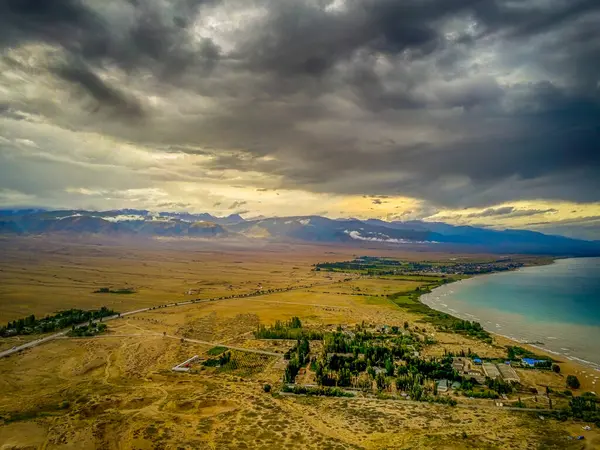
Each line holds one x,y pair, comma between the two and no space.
121,222
321,229
510,241
300,228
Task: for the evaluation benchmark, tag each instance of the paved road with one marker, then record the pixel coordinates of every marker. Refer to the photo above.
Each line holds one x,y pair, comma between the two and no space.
32,344
51,337
54,336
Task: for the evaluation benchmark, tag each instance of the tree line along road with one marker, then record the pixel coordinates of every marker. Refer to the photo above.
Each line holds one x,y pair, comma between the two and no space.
40,341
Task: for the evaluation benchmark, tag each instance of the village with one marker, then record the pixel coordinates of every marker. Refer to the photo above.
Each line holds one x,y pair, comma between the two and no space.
385,362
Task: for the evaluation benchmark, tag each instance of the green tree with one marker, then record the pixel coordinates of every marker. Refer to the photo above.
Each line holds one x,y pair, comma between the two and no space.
389,368
381,382
555,368
370,370
416,392
573,382
344,377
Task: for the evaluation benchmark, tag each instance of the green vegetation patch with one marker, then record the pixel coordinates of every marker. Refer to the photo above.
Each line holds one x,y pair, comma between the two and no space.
31,414
376,266
239,363
443,321
223,359
585,407
292,329
92,329
298,357
320,390
216,351
541,361
106,290
61,320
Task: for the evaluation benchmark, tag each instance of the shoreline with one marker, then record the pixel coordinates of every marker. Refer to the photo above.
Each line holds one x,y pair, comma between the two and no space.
570,365
538,345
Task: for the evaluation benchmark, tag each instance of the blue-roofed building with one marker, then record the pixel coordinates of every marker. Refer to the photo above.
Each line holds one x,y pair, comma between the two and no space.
477,361
529,361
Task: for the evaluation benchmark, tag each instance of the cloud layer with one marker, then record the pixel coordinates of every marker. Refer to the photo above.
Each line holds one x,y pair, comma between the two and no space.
454,103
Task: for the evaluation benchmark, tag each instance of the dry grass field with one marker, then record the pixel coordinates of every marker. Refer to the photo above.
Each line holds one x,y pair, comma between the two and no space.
117,390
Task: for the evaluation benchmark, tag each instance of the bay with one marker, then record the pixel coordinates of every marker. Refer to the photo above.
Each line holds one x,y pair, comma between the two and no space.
556,307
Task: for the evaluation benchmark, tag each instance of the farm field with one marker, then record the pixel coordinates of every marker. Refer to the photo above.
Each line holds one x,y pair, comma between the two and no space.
117,389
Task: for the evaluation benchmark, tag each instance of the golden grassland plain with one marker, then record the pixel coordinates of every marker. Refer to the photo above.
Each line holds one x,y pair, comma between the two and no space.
118,391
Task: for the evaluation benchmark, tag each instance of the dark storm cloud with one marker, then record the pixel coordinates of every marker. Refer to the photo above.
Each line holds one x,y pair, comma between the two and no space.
303,38
531,17
412,97
134,35
40,19
106,96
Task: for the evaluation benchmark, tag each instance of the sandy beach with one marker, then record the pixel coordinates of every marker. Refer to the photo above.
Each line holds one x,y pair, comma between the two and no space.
500,310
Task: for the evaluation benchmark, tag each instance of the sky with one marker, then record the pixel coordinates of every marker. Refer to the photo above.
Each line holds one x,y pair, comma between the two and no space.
480,112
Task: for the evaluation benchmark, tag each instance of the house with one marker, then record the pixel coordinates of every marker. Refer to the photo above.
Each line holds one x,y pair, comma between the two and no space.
477,376
477,361
529,362
508,373
455,385
490,370
458,364
461,365
442,385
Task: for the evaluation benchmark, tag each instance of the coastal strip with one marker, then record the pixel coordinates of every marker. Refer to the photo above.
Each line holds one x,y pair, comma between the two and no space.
435,299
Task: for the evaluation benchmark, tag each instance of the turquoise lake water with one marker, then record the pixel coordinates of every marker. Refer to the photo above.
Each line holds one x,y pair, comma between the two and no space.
557,306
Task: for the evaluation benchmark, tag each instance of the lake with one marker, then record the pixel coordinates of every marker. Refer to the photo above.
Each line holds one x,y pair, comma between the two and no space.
556,307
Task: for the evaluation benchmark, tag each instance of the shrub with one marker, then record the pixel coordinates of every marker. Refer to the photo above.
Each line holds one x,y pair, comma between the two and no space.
267,388
321,391
573,382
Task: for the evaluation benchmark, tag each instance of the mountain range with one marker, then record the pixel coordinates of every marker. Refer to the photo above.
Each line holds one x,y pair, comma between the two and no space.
302,228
